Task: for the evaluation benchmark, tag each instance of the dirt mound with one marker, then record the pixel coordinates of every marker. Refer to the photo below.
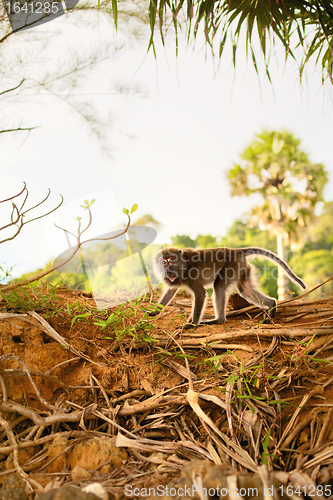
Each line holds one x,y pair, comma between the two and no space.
121,399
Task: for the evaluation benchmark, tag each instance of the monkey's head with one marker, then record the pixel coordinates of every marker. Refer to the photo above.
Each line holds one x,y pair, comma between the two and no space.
169,266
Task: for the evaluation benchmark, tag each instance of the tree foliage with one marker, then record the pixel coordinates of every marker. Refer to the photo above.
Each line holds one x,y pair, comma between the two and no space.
147,219
297,24
319,235
303,27
39,62
289,184
206,241
241,235
275,167
183,241
312,261
315,267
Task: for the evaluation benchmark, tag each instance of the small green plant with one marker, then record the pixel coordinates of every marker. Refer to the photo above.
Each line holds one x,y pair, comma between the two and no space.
133,209
153,308
6,273
135,327
33,298
300,354
51,289
83,317
215,362
264,453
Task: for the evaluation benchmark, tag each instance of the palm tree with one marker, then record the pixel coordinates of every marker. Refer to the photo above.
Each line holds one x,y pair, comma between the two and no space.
275,167
305,25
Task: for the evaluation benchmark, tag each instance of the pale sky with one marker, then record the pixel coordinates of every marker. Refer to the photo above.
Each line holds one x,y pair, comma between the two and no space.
170,150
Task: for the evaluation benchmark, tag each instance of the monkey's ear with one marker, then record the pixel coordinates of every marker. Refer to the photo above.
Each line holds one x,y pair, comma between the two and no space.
185,255
158,256
181,255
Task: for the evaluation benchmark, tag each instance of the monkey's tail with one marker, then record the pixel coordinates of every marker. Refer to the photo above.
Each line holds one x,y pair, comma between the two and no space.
252,251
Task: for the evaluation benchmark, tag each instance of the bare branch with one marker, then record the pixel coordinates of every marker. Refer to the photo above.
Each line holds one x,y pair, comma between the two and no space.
14,88
12,214
16,234
16,195
48,213
24,201
7,288
19,221
66,230
89,223
19,129
38,204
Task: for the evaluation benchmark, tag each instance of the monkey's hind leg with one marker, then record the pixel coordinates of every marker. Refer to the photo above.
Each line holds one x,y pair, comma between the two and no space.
222,288
247,289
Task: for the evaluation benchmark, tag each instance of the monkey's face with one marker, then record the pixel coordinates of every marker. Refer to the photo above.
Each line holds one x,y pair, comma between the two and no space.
168,266
170,269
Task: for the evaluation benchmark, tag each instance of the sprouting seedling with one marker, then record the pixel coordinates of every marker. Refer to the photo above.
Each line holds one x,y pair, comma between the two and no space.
86,206
133,209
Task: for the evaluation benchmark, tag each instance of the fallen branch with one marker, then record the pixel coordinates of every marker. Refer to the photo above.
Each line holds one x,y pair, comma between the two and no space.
151,403
33,415
306,293
316,390
14,445
6,450
263,354
299,427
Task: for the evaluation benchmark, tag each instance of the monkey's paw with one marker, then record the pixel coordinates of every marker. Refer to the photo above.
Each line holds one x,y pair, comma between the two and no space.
153,313
188,326
268,321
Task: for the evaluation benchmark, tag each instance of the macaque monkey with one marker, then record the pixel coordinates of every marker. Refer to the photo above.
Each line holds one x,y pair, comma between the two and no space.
224,269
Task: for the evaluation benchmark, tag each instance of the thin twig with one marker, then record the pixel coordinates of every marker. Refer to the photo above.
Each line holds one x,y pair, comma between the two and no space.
62,263
16,195
4,388
46,439
18,129
13,407
313,392
19,221
299,427
62,363
327,422
13,88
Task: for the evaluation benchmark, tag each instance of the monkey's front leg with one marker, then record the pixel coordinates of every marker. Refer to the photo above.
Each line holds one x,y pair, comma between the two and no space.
168,294
220,302
199,294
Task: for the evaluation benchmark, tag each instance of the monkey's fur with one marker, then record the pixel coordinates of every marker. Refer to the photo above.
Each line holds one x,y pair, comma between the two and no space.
225,269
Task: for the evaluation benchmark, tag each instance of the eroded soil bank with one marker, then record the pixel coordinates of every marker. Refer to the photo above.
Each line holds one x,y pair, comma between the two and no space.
142,407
